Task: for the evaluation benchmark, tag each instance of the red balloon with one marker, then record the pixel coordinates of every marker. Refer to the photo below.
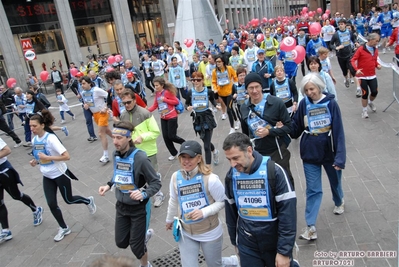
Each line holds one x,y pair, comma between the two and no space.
305,9
79,74
260,38
111,60
288,44
264,20
319,10
271,21
310,13
74,71
279,17
315,28
298,54
189,43
328,11
44,75
109,69
118,58
11,82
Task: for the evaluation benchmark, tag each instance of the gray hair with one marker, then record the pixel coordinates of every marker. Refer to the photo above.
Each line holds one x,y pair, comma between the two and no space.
117,82
373,36
17,89
313,78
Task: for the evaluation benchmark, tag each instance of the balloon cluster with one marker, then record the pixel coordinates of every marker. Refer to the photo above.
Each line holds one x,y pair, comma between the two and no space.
115,59
189,42
288,44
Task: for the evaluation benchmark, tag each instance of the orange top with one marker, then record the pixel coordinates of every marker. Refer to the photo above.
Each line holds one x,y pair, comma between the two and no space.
222,81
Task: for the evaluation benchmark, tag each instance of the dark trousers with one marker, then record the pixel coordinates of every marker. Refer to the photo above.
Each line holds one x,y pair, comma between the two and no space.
62,183
169,134
344,65
208,146
130,228
10,118
89,122
228,101
284,162
58,85
9,182
149,84
4,127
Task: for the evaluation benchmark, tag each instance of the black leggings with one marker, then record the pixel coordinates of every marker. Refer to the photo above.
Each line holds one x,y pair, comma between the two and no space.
169,134
366,84
344,65
208,146
8,182
228,101
149,84
50,192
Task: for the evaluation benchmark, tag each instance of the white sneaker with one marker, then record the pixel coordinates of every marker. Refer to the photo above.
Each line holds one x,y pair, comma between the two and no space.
230,261
372,107
358,92
61,233
384,51
18,144
340,209
364,114
104,159
152,94
159,198
237,125
216,157
149,234
232,130
62,121
224,116
352,80
171,158
310,233
73,117
91,206
347,82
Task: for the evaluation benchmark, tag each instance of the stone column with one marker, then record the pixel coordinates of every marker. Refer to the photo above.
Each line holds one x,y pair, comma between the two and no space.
168,19
68,31
222,14
124,30
12,59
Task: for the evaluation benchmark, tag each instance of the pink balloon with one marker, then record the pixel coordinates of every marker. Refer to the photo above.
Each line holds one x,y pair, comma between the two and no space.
260,38
44,75
315,28
118,58
311,13
185,41
11,82
298,54
305,9
111,60
227,21
325,16
189,43
109,69
319,10
328,11
288,44
264,20
271,21
73,71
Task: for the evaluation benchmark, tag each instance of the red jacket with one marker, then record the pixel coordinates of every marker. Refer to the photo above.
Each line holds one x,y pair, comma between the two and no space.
362,59
394,38
170,99
115,107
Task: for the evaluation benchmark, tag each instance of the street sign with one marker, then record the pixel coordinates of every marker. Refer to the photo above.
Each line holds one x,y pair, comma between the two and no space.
30,54
27,49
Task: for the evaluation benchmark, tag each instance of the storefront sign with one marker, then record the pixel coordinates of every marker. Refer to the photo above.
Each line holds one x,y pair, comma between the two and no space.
30,55
27,48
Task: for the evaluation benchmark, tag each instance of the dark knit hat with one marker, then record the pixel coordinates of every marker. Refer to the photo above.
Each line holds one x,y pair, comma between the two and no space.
252,77
236,48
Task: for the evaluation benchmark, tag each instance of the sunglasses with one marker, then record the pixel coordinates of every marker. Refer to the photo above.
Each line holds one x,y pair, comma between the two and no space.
127,102
196,80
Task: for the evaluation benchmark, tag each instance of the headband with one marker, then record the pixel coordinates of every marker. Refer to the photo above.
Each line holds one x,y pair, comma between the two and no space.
121,131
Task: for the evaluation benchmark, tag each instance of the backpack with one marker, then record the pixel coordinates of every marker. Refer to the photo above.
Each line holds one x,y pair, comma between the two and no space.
44,100
179,107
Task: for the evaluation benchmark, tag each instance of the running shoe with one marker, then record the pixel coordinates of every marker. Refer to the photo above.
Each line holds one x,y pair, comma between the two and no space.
5,235
358,92
104,159
62,232
73,117
65,130
224,116
364,114
372,107
232,130
347,82
149,234
171,158
38,216
216,157
352,80
91,206
159,198
237,125
17,144
339,209
92,139
62,121
27,144
309,233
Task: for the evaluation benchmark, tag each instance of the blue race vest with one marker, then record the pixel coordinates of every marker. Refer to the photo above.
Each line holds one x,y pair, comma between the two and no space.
122,107
251,55
30,107
222,78
40,146
302,40
251,193
318,116
156,66
324,65
176,76
317,45
235,61
200,100
123,173
344,37
283,91
20,100
359,22
253,120
192,195
88,97
241,94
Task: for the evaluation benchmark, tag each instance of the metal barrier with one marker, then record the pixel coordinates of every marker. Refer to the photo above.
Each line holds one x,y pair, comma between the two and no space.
395,83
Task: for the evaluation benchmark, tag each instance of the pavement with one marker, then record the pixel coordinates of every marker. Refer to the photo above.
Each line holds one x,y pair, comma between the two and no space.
370,184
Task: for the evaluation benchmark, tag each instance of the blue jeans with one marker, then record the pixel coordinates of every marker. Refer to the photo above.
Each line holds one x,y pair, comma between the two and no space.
212,250
314,191
62,114
89,122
